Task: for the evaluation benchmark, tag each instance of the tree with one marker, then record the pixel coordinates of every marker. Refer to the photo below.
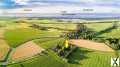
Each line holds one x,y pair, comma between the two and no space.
113,42
84,32
115,24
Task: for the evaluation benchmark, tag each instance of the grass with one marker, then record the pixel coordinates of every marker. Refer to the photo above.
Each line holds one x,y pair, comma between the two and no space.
82,57
48,60
5,21
61,26
99,26
115,33
41,21
18,36
49,43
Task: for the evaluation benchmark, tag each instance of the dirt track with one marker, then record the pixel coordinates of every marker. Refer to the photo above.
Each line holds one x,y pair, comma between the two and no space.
26,50
91,45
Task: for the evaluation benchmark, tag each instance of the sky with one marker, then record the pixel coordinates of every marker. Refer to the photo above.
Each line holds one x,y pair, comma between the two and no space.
19,3
42,6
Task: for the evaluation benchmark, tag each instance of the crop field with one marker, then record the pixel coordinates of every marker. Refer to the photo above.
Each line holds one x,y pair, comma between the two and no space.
30,43
87,58
26,50
3,49
113,33
99,26
26,34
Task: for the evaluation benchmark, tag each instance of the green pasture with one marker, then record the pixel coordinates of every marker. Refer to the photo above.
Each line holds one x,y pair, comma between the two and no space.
60,26
17,36
6,23
82,57
42,21
115,33
99,26
49,42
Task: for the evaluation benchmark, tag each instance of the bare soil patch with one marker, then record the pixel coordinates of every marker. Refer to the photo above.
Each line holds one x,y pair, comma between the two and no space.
91,45
26,50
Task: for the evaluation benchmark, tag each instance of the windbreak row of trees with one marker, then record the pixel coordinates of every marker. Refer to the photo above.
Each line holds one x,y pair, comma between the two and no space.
81,32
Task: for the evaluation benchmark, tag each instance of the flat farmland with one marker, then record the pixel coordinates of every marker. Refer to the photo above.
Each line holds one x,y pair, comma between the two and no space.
26,50
16,35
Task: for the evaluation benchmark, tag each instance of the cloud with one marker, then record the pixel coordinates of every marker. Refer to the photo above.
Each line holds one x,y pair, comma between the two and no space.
39,3
110,3
56,6
21,2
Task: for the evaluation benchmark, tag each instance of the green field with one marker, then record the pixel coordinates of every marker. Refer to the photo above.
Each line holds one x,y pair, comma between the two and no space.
80,57
18,36
99,26
49,42
112,34
49,60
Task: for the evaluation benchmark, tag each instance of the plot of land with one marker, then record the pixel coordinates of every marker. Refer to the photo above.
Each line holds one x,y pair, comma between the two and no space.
18,33
14,37
91,45
26,50
3,49
3,45
2,33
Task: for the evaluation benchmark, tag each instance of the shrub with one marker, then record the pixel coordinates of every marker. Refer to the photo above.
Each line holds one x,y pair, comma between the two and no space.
113,43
